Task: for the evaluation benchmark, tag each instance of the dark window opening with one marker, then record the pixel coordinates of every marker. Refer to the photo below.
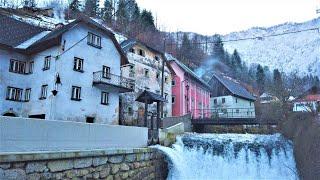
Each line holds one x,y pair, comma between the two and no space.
141,52
78,64
132,50
89,119
223,100
9,114
38,116
46,64
215,101
106,72
76,93
104,98
44,89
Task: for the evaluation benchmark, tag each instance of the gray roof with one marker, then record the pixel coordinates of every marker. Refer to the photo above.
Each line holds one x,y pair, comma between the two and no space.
169,58
233,86
128,44
150,97
14,32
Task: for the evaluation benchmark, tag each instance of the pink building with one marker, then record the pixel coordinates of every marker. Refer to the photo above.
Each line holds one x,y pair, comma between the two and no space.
190,94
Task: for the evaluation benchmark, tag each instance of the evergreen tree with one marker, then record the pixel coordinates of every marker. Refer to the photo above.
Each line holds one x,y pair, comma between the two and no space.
75,6
260,78
107,11
91,7
147,20
30,3
236,64
185,49
122,15
217,49
278,86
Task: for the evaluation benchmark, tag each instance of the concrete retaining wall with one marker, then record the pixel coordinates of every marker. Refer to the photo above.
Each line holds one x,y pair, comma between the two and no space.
171,121
143,163
22,134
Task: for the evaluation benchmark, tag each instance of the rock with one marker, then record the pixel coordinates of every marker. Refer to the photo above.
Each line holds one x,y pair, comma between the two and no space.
19,165
70,174
124,167
117,177
1,173
15,174
46,175
130,158
97,161
82,163
88,176
115,159
105,172
115,168
110,177
34,176
95,175
5,166
102,167
124,175
131,173
58,176
60,165
83,172
136,165
35,167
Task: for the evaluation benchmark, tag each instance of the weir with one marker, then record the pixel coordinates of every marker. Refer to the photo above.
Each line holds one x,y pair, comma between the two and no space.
231,156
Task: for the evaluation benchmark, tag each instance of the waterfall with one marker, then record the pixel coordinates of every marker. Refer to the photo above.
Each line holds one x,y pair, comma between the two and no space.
231,156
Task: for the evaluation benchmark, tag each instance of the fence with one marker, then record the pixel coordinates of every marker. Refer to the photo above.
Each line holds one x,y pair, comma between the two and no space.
224,113
23,134
171,121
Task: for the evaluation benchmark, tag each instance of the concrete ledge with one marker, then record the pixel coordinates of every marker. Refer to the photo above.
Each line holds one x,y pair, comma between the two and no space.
50,155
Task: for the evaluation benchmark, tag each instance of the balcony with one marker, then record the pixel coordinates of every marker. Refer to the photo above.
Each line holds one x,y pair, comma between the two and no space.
111,81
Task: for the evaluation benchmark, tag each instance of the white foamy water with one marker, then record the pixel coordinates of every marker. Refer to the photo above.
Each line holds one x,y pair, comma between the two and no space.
231,157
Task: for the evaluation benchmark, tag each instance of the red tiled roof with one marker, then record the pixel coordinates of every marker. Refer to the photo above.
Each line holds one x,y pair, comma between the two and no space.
310,97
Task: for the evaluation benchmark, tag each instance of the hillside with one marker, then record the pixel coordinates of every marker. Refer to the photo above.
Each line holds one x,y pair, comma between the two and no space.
291,52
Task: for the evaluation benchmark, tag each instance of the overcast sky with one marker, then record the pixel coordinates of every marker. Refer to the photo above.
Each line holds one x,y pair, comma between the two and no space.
224,16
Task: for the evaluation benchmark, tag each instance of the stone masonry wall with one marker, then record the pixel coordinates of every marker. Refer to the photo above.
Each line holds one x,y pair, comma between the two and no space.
142,163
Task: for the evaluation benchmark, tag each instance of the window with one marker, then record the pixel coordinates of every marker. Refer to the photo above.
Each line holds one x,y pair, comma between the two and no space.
106,72
78,64
236,100
141,52
131,70
173,82
215,101
76,93
27,94
44,89
223,100
147,88
237,111
250,103
158,75
14,94
17,66
146,72
94,40
31,64
166,96
104,98
156,58
166,79
132,50
130,111
158,91
173,99
89,119
46,65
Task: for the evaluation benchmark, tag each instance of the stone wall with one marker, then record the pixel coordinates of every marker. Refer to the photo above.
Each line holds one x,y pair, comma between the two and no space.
143,163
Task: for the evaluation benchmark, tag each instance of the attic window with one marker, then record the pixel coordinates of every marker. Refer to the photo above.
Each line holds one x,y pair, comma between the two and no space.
94,40
156,58
132,50
146,72
141,52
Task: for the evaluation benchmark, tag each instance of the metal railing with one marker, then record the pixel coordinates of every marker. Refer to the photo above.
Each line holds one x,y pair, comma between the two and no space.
219,113
112,79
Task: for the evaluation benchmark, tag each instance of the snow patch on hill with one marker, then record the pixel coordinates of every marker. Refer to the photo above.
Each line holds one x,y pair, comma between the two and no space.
298,52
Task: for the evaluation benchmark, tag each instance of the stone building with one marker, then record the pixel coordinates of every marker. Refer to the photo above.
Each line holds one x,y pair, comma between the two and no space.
69,73
145,68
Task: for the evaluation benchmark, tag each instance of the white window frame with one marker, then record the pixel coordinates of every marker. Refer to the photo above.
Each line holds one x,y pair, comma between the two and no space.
44,91
104,98
14,94
27,94
17,66
76,93
106,72
94,40
78,64
46,64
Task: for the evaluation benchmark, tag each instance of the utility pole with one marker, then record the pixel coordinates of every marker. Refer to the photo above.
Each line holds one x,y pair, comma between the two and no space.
162,77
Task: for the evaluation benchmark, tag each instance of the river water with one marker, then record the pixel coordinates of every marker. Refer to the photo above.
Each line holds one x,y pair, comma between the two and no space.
231,157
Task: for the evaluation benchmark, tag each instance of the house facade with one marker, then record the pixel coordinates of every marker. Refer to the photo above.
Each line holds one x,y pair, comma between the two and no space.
190,94
145,68
308,101
70,73
229,99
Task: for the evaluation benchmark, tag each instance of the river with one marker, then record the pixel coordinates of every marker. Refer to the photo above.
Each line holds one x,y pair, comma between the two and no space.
231,157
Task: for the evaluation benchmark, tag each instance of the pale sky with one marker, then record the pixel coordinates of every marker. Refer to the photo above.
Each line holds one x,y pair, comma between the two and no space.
223,16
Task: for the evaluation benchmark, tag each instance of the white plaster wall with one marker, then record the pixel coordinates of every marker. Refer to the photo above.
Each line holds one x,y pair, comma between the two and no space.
23,135
62,107
230,102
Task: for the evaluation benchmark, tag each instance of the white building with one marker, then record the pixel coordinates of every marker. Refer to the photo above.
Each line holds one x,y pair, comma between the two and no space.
145,68
229,99
71,73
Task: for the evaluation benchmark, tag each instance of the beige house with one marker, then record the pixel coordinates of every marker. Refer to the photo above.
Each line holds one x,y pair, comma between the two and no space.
145,65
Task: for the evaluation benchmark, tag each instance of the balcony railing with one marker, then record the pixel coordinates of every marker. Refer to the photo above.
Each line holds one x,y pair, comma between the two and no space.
108,79
218,113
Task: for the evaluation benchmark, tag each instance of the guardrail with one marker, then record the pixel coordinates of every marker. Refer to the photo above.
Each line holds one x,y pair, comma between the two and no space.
101,77
218,113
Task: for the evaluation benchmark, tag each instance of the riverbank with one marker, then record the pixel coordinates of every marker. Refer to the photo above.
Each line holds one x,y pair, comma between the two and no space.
304,131
239,129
